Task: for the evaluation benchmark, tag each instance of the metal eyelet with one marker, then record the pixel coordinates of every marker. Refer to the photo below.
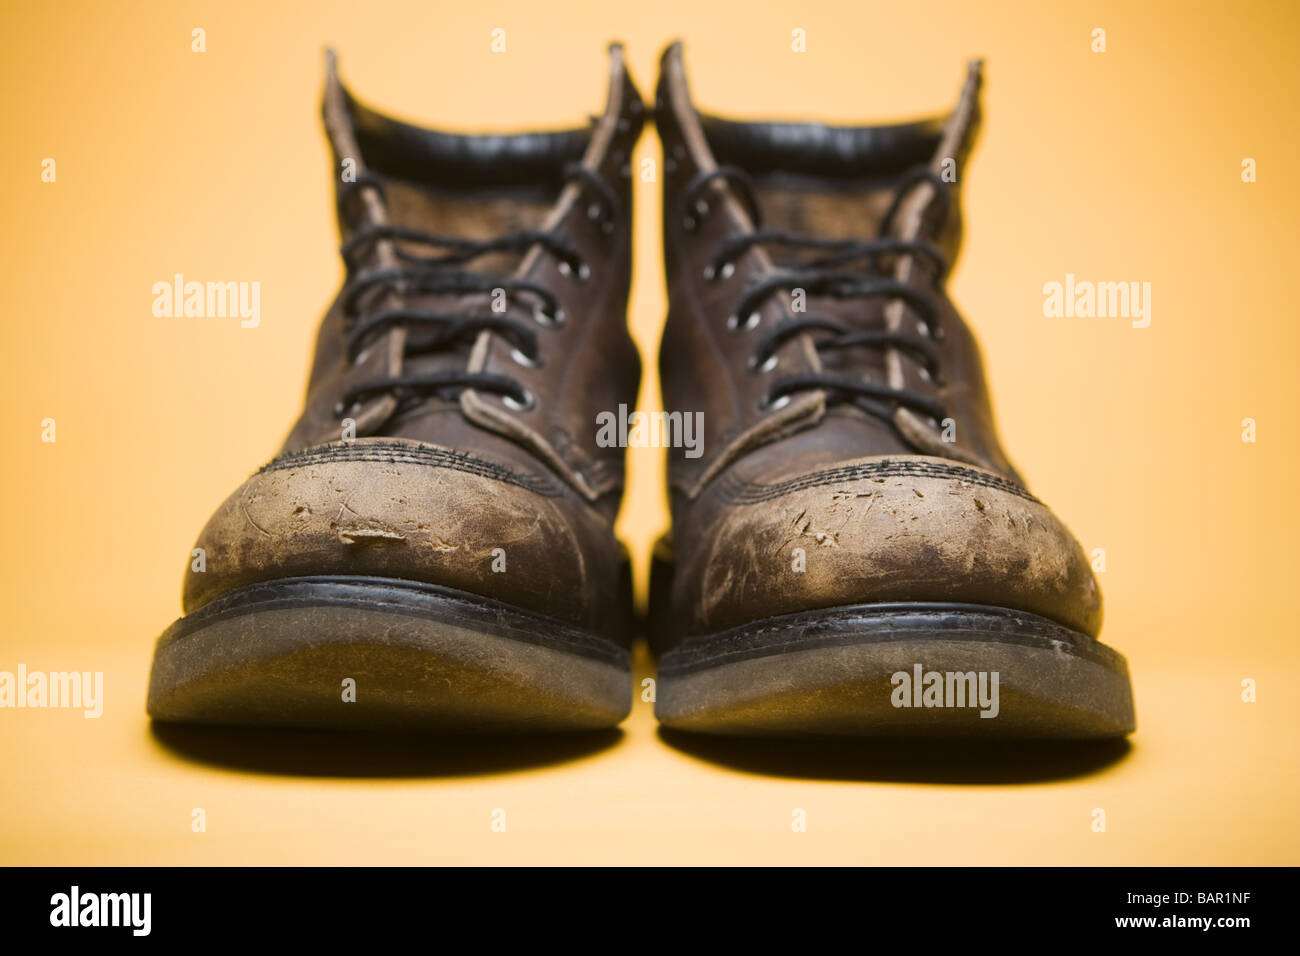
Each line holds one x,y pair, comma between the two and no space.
521,359
767,365
546,320
594,211
924,328
726,272
925,374
765,406
346,411
582,275
751,322
527,405
692,222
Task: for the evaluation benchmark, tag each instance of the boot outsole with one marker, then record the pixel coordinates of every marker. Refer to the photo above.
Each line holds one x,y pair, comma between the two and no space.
833,672
422,657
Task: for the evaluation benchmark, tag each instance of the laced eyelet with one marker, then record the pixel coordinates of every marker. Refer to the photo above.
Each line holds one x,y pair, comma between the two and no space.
765,406
713,275
546,320
582,275
695,215
521,359
527,405
765,366
342,411
751,322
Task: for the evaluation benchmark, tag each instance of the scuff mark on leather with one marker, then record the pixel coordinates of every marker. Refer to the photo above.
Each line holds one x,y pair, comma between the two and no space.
368,535
244,506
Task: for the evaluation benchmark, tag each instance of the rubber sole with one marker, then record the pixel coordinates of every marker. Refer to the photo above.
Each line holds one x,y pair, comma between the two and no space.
866,671
419,657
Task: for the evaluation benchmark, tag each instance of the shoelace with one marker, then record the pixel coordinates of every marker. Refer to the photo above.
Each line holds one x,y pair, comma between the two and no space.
440,272
825,275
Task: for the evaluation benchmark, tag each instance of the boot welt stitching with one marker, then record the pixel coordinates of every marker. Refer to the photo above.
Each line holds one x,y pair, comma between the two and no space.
415,456
738,491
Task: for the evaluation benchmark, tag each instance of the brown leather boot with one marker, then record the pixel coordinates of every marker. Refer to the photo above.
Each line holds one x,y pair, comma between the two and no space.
852,553
433,547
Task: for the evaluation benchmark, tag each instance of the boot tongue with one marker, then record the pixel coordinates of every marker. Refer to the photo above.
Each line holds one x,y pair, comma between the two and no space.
833,215
859,215
459,214
366,144
456,216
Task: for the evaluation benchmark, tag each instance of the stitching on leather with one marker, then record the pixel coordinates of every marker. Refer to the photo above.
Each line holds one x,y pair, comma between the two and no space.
404,454
738,491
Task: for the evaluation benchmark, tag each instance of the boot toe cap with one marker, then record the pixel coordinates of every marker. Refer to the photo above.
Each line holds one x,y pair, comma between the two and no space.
409,511
906,528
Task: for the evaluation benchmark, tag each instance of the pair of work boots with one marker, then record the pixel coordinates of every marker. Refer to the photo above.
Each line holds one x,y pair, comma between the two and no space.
851,551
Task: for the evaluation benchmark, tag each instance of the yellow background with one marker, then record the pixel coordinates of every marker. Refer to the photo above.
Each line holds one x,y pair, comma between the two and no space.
1122,166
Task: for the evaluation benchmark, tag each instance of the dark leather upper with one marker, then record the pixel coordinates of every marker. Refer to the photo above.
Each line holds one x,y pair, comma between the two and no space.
434,485
885,507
